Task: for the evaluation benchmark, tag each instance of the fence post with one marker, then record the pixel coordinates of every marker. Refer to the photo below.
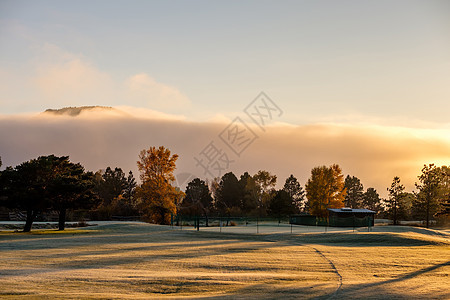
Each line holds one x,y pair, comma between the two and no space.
353,222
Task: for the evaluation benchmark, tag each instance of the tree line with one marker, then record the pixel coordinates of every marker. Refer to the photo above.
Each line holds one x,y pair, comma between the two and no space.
51,183
430,200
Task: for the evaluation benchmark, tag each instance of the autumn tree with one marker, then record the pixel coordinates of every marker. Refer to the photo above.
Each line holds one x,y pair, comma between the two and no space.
325,189
295,192
355,192
427,201
158,198
394,202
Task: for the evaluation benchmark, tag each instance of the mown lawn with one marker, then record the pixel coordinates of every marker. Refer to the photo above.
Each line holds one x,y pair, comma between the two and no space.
138,260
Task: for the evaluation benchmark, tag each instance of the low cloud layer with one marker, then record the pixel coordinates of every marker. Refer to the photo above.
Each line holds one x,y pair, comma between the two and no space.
99,140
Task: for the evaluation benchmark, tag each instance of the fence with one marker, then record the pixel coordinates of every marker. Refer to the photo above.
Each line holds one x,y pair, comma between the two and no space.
227,221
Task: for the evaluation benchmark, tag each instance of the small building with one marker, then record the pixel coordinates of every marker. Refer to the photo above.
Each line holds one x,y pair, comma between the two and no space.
337,217
351,217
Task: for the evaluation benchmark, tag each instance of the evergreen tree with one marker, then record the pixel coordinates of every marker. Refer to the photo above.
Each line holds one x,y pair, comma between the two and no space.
444,191
130,189
44,183
228,195
393,203
427,201
71,188
295,192
250,194
355,192
265,186
372,200
110,185
197,200
281,205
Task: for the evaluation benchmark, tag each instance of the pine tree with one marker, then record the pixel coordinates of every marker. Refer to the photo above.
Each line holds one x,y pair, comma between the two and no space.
396,193
427,199
295,192
355,192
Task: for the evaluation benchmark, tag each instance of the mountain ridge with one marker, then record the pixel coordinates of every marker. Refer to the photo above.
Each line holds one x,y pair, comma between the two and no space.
74,111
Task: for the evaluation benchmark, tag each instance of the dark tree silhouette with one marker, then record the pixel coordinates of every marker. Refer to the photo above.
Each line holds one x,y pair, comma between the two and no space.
198,200
110,185
44,183
28,186
296,192
281,205
249,194
116,192
355,192
130,188
70,188
372,200
228,195
427,201
396,193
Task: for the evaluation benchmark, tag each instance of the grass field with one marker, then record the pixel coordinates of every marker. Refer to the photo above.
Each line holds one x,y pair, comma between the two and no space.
139,261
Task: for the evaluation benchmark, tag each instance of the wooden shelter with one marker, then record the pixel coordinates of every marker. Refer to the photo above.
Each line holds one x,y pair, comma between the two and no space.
351,217
337,217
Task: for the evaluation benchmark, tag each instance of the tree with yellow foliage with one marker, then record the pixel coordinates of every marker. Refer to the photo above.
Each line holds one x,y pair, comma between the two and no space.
158,199
325,189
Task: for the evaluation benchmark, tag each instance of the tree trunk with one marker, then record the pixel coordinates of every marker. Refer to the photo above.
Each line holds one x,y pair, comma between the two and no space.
395,212
428,212
162,213
29,221
62,219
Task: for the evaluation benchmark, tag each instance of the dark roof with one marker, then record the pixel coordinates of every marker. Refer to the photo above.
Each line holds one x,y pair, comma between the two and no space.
352,210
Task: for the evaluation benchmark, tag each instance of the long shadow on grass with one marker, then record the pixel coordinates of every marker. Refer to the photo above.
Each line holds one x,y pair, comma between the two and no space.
176,243
356,290
313,290
368,239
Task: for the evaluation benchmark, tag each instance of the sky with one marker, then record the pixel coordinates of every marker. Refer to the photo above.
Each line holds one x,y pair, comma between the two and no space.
362,74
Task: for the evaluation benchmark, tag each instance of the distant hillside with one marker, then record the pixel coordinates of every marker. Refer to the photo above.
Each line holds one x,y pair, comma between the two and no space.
75,111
